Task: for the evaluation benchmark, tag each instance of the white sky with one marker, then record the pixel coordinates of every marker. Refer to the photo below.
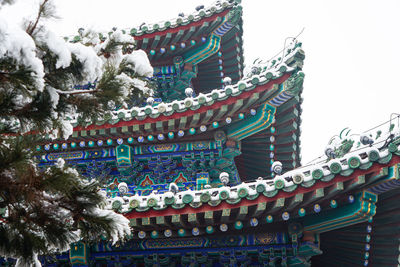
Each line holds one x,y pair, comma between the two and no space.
352,51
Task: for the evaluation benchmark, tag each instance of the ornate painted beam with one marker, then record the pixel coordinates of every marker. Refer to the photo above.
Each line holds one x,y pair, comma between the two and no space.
262,120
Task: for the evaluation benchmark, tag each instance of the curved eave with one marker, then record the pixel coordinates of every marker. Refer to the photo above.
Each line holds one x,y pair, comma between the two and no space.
209,72
351,182
349,246
132,121
179,32
216,105
181,23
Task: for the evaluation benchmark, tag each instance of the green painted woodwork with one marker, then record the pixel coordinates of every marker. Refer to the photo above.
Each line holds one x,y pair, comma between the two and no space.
160,220
124,155
243,211
211,47
132,222
202,179
296,200
277,205
359,180
209,217
225,215
78,254
173,80
191,31
192,219
359,211
176,219
261,207
337,187
254,124
146,221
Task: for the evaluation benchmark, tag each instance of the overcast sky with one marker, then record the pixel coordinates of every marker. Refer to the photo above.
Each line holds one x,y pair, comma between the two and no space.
352,51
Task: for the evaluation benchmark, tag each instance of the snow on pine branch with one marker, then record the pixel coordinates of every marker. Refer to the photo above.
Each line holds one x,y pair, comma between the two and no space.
140,62
119,224
17,45
58,46
94,54
93,65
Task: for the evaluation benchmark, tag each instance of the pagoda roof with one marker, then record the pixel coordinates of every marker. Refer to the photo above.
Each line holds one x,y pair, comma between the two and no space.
373,167
181,35
260,84
214,100
185,21
277,83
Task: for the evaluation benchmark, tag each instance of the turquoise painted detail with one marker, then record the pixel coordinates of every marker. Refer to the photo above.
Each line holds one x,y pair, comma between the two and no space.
302,212
254,124
211,47
202,179
124,156
78,254
359,211
165,70
388,182
213,42
162,148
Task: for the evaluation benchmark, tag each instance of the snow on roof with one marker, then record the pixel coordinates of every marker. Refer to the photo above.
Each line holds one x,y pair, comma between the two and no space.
359,157
270,70
216,7
183,19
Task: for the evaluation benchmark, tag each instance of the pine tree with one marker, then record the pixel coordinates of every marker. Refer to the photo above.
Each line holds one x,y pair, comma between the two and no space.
45,84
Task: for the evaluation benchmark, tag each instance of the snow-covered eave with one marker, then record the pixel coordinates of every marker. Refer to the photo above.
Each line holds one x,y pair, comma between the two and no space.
320,175
268,74
215,8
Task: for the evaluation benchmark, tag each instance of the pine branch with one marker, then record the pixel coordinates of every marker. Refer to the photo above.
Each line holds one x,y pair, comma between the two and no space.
77,92
46,206
40,203
32,25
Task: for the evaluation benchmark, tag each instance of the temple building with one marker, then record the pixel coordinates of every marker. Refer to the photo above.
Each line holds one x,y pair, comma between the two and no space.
208,170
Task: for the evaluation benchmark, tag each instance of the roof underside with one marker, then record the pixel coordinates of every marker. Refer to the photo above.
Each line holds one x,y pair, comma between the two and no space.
209,76
283,145
348,246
